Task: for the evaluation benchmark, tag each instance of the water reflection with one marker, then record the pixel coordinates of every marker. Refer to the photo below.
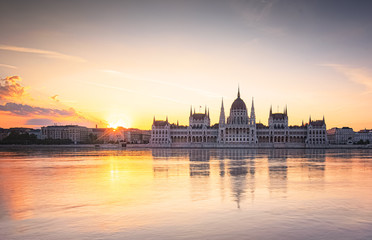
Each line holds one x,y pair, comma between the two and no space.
227,193
277,162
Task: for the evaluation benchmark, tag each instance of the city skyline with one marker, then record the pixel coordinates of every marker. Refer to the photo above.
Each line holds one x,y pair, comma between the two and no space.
121,63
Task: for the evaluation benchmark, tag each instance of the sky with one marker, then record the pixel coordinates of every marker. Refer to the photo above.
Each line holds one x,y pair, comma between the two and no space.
123,62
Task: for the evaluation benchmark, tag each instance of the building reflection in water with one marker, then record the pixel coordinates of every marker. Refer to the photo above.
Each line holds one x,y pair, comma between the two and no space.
199,162
278,169
199,167
241,170
315,164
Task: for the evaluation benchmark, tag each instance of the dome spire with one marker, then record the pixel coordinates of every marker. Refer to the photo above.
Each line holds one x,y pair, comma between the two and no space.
238,91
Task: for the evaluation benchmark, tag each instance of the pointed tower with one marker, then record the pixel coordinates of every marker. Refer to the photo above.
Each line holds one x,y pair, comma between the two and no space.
167,119
205,110
253,114
285,110
190,110
238,91
208,113
222,114
153,121
271,110
309,119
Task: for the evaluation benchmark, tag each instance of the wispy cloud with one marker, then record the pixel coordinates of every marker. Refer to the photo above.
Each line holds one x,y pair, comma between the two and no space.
170,84
27,110
133,91
39,122
8,66
252,10
359,76
10,87
45,53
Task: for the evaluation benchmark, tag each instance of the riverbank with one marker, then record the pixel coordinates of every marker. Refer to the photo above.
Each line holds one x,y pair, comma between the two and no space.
196,146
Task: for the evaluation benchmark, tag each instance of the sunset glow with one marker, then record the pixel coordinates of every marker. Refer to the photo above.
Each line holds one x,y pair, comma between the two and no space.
118,120
78,68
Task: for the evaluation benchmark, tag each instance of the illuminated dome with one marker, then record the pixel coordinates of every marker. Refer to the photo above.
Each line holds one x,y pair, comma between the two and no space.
238,103
238,112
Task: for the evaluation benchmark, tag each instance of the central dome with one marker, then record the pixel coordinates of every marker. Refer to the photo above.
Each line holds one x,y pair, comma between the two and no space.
238,104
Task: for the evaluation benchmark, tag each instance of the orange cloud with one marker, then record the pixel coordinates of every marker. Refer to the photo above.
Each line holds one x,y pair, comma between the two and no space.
10,87
55,98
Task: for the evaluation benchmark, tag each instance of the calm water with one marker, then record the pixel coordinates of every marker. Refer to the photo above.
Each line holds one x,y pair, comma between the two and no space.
185,194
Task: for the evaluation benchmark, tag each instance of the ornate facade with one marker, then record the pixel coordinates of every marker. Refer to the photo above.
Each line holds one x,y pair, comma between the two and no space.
239,129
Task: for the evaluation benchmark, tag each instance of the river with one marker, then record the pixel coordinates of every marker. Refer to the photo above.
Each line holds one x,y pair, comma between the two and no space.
185,194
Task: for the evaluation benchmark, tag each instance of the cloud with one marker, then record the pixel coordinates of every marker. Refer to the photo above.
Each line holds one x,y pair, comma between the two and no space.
26,110
170,84
357,75
7,66
253,11
55,98
10,87
45,53
39,122
134,91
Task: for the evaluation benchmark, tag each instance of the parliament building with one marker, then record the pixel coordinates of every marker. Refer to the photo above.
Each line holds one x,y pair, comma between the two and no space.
238,130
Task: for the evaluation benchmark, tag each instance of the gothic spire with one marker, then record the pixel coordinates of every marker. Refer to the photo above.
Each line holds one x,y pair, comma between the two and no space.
253,114
190,110
271,110
238,91
252,109
222,114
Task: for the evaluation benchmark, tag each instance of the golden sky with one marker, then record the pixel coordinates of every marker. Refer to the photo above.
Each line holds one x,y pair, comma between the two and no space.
124,62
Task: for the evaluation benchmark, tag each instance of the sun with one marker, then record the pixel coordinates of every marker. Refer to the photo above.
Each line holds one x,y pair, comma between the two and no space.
118,120
118,123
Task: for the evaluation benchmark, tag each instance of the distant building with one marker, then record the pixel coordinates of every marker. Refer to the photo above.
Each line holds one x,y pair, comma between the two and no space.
343,135
120,134
239,129
99,134
20,130
317,132
363,136
4,133
36,132
76,134
137,136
